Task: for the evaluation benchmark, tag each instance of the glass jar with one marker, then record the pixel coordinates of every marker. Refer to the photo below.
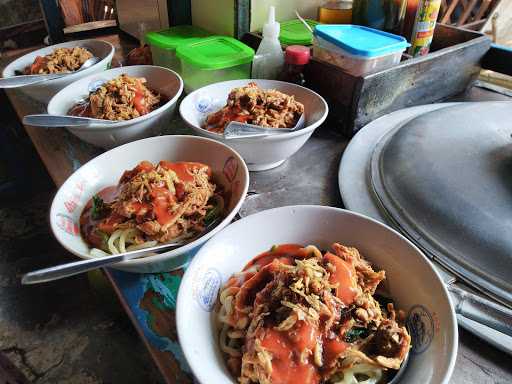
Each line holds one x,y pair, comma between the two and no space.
296,57
335,12
386,15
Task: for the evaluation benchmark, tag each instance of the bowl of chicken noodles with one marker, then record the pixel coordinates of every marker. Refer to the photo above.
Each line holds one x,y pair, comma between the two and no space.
127,103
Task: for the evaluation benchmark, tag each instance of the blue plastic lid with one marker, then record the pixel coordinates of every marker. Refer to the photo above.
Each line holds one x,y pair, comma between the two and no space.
361,41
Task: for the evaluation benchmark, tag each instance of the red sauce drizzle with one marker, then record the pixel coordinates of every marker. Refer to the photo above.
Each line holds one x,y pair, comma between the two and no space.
344,276
282,252
139,103
286,346
331,350
183,168
161,199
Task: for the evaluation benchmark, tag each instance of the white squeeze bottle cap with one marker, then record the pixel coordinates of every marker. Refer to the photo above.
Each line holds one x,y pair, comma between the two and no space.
271,27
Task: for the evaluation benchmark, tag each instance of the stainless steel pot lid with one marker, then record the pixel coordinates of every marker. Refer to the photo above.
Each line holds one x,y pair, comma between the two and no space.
445,178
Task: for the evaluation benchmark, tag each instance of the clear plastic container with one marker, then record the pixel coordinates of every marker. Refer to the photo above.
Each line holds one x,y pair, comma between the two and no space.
214,59
357,50
164,43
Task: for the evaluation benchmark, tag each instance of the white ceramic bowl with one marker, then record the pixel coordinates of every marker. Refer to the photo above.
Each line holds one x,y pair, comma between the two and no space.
411,279
160,79
229,170
263,152
43,92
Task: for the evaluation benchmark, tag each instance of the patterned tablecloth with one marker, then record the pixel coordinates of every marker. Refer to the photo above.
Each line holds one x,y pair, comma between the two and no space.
150,300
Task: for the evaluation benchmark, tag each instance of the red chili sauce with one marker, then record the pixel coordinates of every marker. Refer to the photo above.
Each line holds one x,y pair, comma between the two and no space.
83,108
158,201
286,346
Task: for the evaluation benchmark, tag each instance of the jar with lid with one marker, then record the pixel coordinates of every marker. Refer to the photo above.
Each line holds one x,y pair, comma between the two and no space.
335,12
295,58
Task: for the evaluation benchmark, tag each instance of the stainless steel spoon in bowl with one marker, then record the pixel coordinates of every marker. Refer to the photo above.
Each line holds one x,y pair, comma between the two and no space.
74,268
59,121
22,80
237,130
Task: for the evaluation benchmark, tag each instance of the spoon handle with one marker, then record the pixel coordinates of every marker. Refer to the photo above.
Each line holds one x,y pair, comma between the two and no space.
70,269
238,130
20,81
55,121
76,267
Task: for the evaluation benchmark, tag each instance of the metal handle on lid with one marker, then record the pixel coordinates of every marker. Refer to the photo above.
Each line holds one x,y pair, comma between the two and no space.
481,310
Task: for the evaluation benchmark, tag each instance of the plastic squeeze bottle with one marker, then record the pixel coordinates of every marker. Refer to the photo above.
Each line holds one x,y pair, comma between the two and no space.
269,59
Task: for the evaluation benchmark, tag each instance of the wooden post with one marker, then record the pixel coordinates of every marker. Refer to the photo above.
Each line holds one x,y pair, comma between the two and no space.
53,20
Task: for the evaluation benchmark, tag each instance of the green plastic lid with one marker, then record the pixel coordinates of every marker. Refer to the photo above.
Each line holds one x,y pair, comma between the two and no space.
215,52
293,32
174,36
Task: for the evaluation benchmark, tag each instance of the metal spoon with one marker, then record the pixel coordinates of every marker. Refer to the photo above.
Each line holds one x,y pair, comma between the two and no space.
401,370
59,121
22,80
74,268
237,130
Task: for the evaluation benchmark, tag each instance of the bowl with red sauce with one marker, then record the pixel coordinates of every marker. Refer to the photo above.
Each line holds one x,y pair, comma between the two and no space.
313,295
260,153
44,91
146,193
140,99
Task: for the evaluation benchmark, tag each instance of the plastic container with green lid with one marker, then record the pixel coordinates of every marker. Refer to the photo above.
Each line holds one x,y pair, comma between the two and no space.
293,32
213,59
164,43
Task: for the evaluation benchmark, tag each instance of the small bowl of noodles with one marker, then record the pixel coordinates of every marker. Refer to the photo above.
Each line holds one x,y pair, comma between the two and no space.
314,295
147,193
139,99
65,57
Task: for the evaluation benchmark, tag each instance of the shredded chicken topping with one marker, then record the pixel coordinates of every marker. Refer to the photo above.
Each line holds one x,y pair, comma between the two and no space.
296,315
253,105
122,98
153,204
60,60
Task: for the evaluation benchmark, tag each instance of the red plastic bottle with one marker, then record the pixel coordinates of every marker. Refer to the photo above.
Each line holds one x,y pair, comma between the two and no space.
296,57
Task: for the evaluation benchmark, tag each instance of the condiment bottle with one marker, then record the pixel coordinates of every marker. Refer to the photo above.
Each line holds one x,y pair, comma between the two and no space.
296,57
424,26
335,12
269,59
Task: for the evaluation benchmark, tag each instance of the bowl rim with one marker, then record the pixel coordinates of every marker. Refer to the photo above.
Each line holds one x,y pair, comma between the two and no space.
285,135
177,251
124,123
196,367
72,75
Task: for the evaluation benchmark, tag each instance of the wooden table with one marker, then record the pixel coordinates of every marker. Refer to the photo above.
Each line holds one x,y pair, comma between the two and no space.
309,177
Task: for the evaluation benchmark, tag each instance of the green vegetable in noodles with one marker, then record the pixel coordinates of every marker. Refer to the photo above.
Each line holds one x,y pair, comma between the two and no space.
98,208
214,212
355,333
